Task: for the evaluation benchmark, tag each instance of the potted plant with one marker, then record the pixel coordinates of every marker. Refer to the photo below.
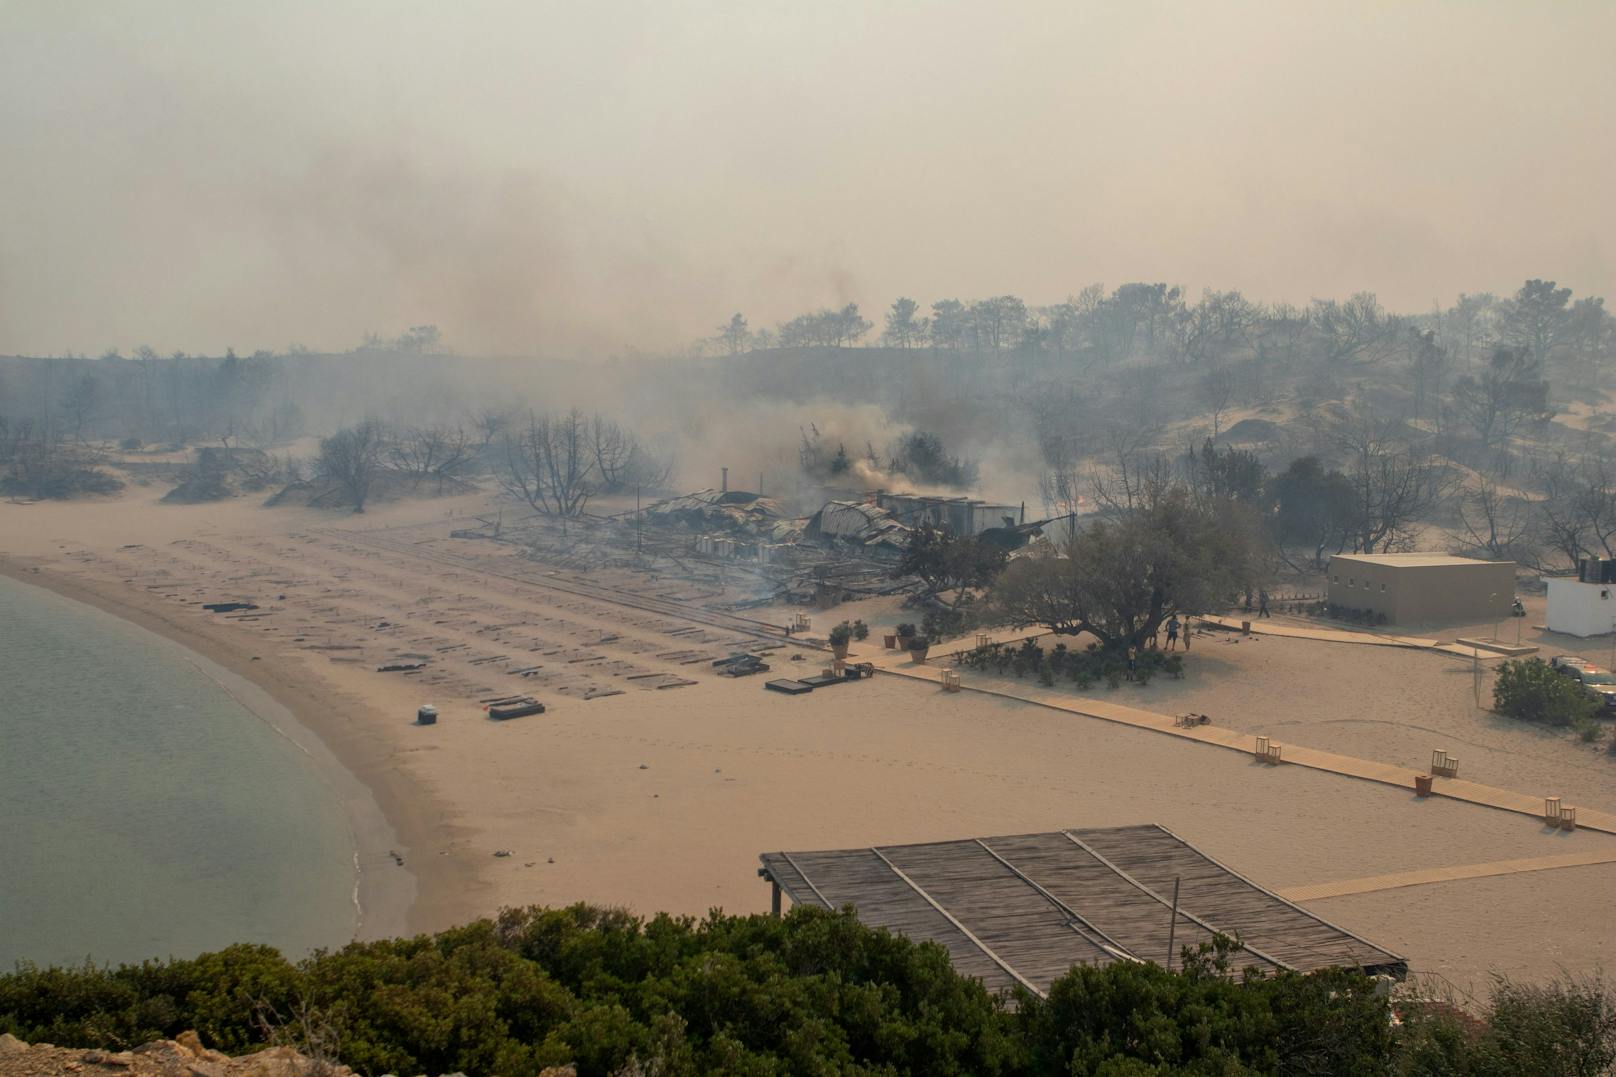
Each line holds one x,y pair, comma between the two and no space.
918,646
839,637
906,632
861,631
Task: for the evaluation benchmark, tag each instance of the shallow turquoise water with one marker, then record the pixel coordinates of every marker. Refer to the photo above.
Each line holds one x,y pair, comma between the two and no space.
143,811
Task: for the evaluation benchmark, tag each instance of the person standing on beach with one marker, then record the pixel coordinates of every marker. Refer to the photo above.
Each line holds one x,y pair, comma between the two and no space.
1262,604
1172,632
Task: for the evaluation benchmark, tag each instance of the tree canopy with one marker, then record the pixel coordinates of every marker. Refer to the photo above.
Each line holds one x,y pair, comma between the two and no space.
1119,578
945,561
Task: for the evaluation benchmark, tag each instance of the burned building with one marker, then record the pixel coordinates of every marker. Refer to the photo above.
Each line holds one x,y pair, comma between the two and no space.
961,515
861,524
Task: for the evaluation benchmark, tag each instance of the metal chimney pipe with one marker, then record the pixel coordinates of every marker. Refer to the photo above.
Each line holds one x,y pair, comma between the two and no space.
726,481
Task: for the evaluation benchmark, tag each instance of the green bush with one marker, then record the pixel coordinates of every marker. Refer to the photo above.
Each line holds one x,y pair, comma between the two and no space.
861,631
814,992
1529,691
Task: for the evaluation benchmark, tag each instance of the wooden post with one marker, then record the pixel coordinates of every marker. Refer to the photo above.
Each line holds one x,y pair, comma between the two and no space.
1172,925
774,899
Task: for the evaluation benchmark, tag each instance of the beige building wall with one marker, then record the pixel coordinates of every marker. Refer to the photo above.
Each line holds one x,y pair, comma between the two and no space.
1422,589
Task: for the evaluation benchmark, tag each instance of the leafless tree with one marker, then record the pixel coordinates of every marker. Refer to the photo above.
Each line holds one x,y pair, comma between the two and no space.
1470,323
1219,393
1356,329
443,454
490,424
621,461
352,458
547,463
306,1029
1497,522
1577,515
81,404
1394,486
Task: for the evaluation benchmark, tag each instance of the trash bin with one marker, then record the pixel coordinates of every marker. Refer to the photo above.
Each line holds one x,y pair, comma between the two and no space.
1422,785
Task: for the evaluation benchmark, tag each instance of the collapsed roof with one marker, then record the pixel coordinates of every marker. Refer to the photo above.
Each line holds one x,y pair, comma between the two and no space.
732,510
857,522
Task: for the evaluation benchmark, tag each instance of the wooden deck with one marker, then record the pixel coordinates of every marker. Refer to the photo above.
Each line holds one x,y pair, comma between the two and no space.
1022,910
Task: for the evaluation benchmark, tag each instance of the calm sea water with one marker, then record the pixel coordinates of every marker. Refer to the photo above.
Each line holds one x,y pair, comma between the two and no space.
143,811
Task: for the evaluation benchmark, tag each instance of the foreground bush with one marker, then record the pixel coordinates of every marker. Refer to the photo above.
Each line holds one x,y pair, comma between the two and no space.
815,992
1528,690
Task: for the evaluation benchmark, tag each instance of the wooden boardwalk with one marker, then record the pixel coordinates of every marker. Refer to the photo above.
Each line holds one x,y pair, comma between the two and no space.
1402,777
1267,627
1371,883
1365,637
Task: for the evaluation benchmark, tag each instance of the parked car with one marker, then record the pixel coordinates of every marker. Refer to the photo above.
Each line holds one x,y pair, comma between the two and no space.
1569,664
1600,684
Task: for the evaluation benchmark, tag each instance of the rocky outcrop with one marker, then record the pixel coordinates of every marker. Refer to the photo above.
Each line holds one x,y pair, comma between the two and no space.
184,1055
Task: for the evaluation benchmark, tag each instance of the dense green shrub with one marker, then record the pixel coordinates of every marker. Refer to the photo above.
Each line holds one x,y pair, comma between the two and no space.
1529,691
815,992
943,623
1083,668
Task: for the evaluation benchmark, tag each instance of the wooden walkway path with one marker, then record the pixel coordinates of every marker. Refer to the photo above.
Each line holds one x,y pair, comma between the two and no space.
1267,627
1365,637
1401,777
1369,884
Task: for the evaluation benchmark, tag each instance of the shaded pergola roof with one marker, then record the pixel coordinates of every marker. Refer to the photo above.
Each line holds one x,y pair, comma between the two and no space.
1024,909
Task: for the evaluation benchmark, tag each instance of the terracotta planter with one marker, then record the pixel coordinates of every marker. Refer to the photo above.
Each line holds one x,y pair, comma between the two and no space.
917,655
891,642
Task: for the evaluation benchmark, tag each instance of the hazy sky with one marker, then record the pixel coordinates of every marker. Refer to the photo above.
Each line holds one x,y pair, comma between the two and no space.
572,178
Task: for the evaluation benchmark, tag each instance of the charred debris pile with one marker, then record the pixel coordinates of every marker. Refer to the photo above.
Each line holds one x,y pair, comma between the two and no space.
741,549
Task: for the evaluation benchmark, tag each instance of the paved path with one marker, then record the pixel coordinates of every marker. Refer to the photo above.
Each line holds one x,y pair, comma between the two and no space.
1343,887
1529,804
1268,627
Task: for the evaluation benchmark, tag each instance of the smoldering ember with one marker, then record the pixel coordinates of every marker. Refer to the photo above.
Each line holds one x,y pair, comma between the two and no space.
716,626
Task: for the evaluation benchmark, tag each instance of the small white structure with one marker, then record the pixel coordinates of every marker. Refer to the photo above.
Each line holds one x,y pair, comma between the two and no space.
1581,609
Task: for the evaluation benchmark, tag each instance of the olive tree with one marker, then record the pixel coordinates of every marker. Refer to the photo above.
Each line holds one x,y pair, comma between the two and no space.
1122,576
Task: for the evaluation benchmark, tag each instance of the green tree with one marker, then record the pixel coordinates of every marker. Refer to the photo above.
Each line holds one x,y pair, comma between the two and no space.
945,561
1120,578
1509,392
903,330
1529,691
1536,319
1312,507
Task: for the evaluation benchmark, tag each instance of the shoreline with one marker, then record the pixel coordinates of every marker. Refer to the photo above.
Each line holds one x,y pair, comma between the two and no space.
384,809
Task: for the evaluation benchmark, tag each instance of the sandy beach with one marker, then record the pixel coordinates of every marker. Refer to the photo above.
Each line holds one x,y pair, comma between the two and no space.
653,783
